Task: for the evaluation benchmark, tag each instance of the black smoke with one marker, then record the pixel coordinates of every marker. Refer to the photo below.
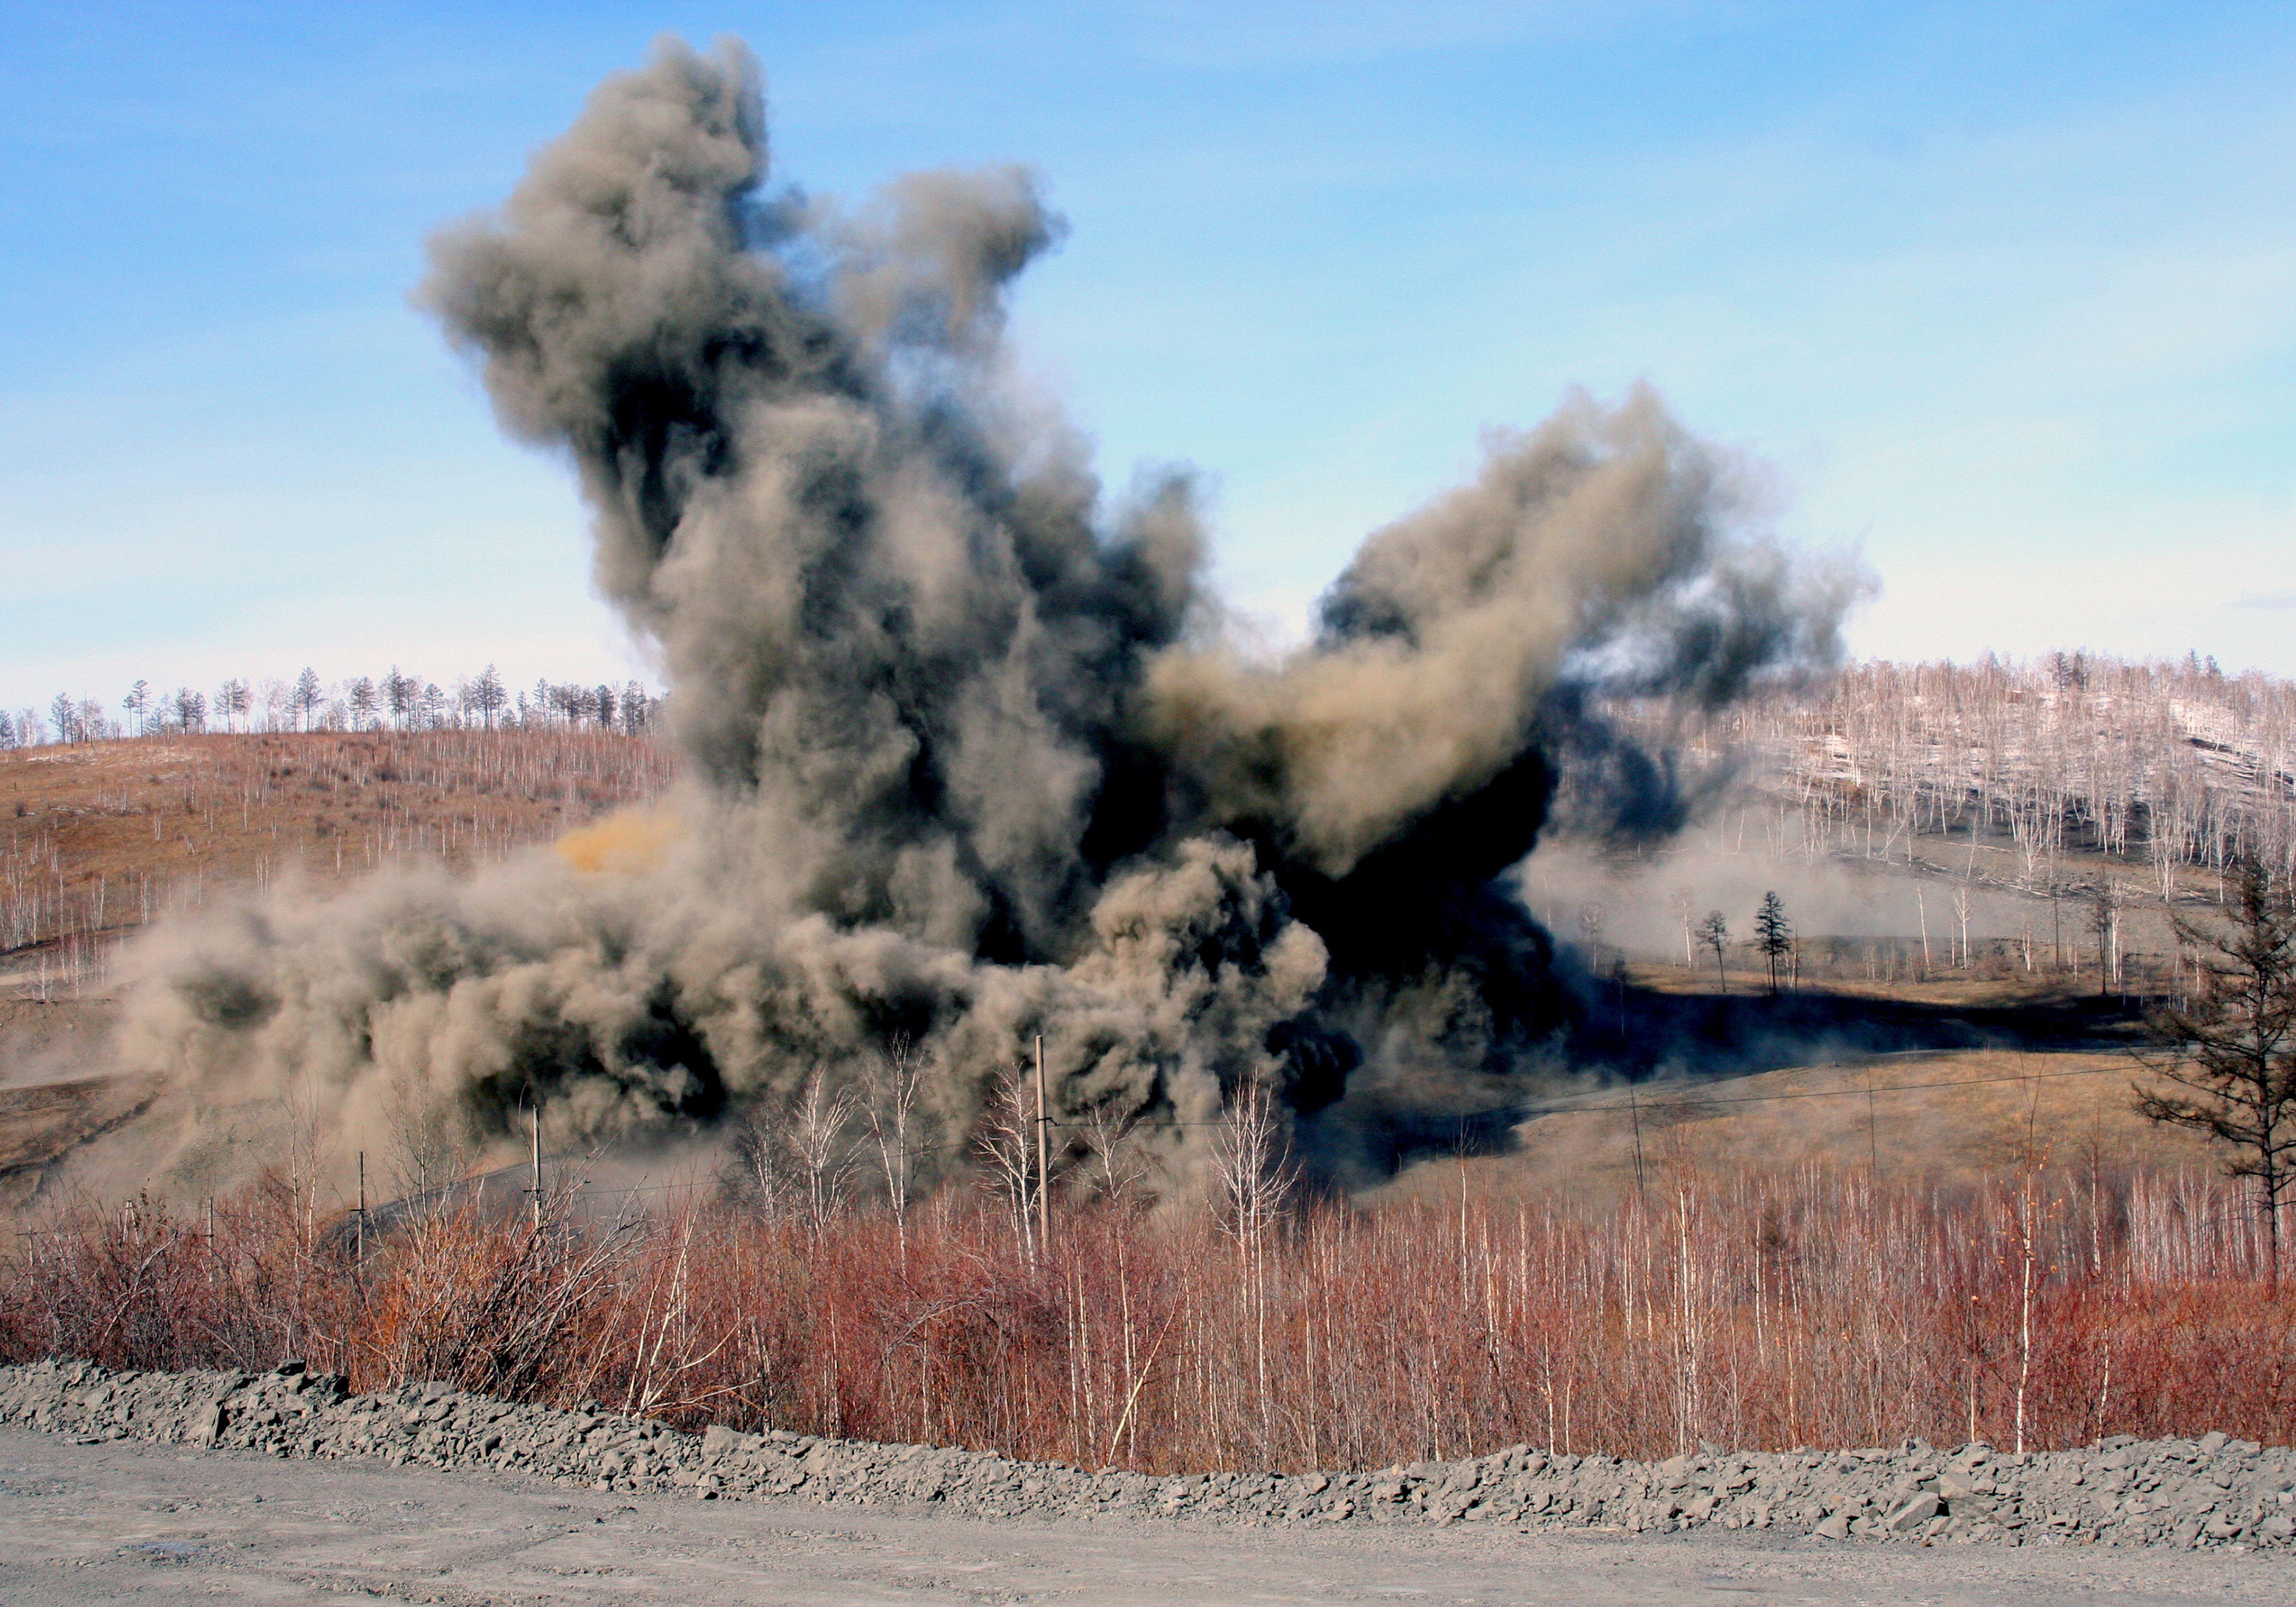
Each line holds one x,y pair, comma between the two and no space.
970,759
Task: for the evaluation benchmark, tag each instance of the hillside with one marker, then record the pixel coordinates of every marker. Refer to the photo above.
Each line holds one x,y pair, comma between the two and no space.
100,837
2168,771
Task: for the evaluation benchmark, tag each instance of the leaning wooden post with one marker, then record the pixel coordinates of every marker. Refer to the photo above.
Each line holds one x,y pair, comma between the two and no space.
533,1127
1634,1103
1044,1163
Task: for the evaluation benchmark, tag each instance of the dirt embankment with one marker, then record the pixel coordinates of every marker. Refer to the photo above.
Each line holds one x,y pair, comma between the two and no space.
53,1041
57,1095
2186,1494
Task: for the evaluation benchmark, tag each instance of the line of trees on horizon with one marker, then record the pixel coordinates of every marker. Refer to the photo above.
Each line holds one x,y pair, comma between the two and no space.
2170,764
396,702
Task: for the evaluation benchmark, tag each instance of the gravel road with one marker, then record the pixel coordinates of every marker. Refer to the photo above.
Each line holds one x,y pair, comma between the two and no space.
128,1520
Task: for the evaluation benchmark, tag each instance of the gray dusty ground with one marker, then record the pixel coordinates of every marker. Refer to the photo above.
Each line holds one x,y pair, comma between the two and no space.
133,1520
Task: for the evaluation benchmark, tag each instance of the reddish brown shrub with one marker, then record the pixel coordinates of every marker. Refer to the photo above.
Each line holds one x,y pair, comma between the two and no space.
1751,1310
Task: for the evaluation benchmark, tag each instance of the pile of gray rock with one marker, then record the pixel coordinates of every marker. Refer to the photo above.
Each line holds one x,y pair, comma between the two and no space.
2188,1492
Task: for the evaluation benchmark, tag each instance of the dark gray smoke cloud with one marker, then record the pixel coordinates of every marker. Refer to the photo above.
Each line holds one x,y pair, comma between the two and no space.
970,760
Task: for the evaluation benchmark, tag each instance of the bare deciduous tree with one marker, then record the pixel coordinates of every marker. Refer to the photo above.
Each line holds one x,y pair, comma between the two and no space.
1713,933
1004,1143
1256,1179
761,1166
820,1136
1123,1170
2104,925
897,1127
1253,1164
1590,930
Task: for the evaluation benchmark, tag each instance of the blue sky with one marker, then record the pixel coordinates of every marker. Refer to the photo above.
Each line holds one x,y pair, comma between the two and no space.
2000,295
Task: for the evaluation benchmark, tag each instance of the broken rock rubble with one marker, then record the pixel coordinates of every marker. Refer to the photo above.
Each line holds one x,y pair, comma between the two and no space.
2189,1494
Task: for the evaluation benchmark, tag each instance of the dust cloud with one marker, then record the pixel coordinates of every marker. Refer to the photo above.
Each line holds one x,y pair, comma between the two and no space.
970,758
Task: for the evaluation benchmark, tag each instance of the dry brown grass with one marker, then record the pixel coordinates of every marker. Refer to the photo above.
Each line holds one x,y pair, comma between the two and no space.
1945,1119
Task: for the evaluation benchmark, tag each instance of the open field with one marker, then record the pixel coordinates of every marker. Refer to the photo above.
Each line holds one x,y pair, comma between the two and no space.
1950,1118
44,1041
2060,767
1944,1081
43,1123
99,838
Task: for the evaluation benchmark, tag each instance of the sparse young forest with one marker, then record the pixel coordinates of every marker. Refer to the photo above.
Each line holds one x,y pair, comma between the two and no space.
2048,815
2174,765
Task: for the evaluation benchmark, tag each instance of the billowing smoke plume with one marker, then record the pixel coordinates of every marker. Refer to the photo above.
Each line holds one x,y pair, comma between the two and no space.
969,761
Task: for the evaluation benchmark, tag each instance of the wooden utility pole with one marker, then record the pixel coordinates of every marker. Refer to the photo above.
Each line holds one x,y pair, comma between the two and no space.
534,1124
1635,1103
1044,1156
1873,1130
